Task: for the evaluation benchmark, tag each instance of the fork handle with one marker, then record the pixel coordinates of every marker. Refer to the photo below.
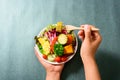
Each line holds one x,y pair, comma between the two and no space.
80,28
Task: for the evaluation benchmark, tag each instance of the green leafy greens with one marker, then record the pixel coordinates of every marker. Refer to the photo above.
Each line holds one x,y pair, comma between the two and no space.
58,49
40,48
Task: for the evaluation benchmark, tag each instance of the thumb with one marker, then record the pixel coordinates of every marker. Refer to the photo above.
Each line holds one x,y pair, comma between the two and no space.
87,32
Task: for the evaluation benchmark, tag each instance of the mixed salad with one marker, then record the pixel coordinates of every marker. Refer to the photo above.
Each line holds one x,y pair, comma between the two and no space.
55,43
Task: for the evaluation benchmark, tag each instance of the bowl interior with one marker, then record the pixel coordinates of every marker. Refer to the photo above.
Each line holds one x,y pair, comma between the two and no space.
69,57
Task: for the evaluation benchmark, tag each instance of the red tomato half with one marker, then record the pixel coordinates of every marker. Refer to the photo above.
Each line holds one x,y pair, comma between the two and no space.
58,59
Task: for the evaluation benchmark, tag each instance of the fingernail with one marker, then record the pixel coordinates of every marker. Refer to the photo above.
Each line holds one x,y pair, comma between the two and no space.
86,27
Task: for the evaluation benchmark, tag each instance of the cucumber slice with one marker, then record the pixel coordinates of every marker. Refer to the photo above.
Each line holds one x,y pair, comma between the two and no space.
62,39
51,57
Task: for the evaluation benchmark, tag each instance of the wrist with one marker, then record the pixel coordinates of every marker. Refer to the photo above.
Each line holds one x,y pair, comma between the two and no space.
53,75
91,69
87,58
87,61
87,55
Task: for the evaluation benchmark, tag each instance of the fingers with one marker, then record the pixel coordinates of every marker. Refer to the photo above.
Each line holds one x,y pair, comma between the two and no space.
81,34
37,55
89,35
87,32
98,37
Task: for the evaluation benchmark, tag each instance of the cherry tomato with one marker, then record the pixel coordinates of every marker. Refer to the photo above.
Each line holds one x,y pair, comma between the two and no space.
63,58
44,56
58,59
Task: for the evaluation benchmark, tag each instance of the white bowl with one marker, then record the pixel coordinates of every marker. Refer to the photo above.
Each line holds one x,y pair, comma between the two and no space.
68,58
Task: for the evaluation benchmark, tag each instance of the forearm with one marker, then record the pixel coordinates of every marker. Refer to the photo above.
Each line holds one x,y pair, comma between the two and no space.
91,69
53,76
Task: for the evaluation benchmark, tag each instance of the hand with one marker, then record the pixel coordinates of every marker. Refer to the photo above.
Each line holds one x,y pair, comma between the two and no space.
53,71
90,41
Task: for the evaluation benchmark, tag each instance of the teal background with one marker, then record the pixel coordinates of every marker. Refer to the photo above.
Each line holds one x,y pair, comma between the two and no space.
21,20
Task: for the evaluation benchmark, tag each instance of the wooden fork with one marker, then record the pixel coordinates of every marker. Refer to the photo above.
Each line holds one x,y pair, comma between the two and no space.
70,27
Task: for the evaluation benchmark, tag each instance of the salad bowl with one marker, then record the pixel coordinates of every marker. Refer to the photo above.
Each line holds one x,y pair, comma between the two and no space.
55,44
